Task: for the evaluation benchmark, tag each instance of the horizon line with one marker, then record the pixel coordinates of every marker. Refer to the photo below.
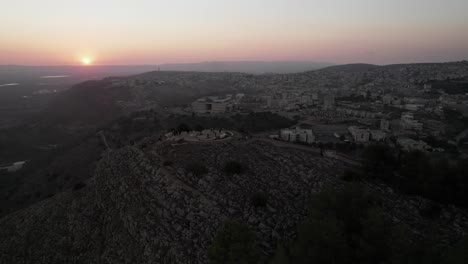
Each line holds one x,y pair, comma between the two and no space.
229,61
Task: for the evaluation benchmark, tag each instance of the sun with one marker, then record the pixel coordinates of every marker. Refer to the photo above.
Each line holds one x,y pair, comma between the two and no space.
86,61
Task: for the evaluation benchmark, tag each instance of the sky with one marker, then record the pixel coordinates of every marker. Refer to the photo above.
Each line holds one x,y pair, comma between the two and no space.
108,32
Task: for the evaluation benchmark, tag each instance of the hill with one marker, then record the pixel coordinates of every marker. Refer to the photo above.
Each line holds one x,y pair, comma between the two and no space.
356,67
88,103
147,204
256,67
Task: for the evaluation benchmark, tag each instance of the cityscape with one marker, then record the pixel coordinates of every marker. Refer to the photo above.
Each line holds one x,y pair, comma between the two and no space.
239,132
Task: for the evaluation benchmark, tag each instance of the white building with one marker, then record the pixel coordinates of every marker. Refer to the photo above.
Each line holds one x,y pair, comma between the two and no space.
297,135
409,144
359,134
407,122
388,99
213,105
14,167
328,102
366,135
385,125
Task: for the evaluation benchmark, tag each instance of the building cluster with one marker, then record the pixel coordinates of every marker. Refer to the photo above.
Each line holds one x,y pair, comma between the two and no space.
289,99
363,106
298,135
357,112
13,167
407,122
216,104
365,134
409,144
204,135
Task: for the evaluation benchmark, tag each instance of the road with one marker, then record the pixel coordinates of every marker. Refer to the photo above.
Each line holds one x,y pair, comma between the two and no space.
338,156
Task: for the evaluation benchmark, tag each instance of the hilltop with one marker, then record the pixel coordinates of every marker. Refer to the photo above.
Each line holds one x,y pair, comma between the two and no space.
146,203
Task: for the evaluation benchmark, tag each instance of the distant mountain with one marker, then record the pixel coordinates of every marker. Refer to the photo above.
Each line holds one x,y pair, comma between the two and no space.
89,103
256,67
74,73
355,67
363,67
78,73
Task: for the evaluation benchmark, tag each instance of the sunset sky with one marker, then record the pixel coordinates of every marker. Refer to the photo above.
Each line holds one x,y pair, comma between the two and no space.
58,32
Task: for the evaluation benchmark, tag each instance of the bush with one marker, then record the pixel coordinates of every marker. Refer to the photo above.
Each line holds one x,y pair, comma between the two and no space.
431,210
458,254
183,128
259,199
233,167
197,169
167,163
234,243
351,176
344,227
379,161
79,186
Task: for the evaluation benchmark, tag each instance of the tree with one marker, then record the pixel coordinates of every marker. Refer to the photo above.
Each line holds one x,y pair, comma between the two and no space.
183,128
197,169
458,254
344,227
234,243
259,199
379,161
233,167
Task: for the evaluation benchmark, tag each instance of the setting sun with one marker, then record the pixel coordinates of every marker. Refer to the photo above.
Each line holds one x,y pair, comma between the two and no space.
86,61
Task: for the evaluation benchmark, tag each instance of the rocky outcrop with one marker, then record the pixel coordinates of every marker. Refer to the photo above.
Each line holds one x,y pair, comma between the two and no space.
136,210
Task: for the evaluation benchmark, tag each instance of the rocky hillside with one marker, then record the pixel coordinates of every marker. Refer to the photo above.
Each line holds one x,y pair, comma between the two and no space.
146,204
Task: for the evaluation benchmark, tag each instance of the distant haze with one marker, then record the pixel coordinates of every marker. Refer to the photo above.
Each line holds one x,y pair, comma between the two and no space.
122,32
17,73
247,66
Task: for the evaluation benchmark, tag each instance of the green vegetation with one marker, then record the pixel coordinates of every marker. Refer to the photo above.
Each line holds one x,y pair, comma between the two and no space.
79,186
262,121
197,169
349,226
458,254
451,86
88,103
183,128
344,227
168,163
352,176
250,123
54,171
379,161
259,199
233,244
233,167
456,122
434,178
419,173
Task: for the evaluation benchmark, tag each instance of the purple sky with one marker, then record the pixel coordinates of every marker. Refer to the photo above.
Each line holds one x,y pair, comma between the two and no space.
152,32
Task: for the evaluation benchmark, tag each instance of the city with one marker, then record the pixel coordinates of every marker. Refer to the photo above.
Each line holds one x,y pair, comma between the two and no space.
234,132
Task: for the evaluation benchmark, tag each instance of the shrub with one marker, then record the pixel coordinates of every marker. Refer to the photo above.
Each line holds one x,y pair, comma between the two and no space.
197,169
234,243
167,163
430,210
351,176
183,128
79,186
259,199
344,226
233,167
458,254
